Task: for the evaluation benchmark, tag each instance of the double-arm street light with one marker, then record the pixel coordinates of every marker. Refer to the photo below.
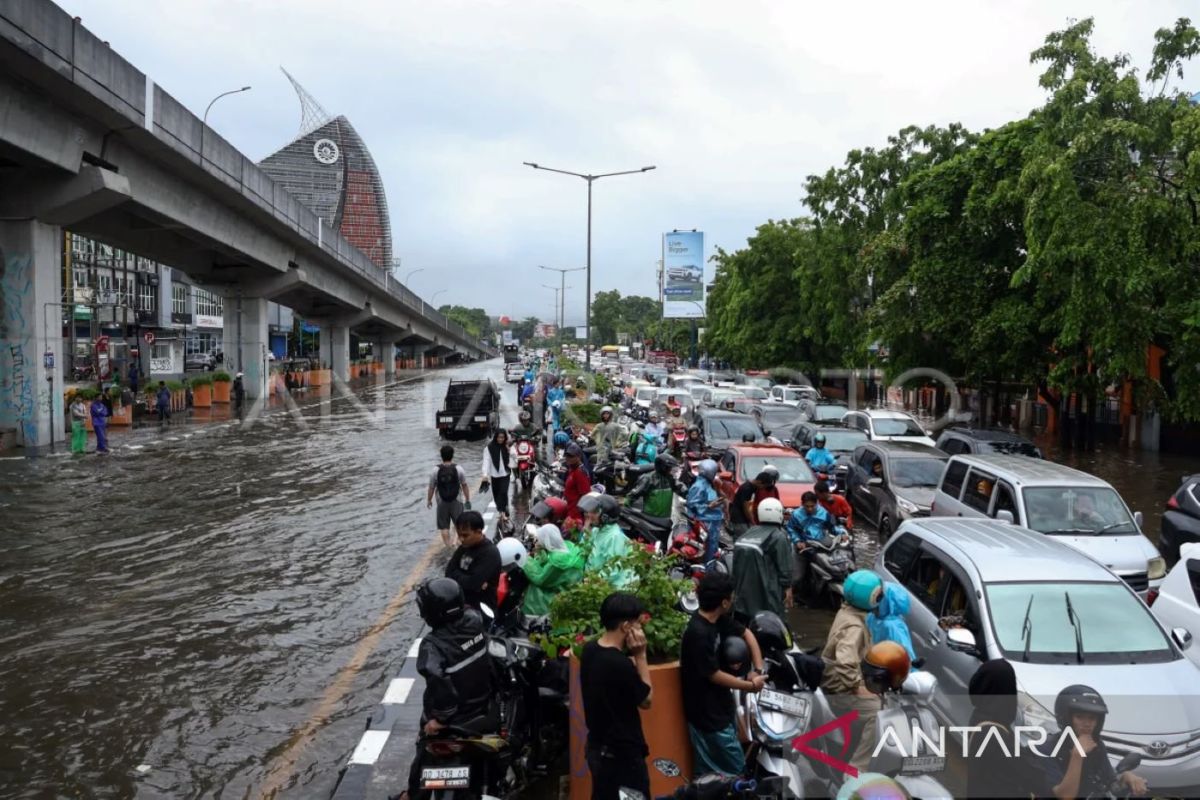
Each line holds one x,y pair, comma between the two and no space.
559,293
590,180
561,307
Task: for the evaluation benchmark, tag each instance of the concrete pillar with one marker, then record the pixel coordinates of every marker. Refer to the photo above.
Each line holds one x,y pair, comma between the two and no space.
335,349
31,402
387,352
246,340
419,358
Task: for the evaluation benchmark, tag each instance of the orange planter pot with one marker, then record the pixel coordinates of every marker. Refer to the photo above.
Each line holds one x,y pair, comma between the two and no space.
122,415
221,391
202,396
663,725
326,377
314,377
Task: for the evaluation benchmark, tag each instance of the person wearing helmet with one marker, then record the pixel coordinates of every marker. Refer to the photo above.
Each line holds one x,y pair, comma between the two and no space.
605,539
706,506
607,435
475,565
645,448
674,420
770,487
525,428
657,490
512,583
693,446
552,510
458,679
845,648
820,459
707,688
885,667
654,429
555,565
556,401
762,565
577,482
835,504
1088,773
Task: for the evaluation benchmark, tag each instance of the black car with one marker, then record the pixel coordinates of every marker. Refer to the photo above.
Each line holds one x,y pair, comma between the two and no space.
723,428
974,441
839,440
823,410
890,482
1181,521
776,417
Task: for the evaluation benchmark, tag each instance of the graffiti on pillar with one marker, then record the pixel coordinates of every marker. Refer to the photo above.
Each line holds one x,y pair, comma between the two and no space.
17,394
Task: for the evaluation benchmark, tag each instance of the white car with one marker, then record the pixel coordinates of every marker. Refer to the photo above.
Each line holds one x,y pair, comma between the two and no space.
792,395
888,426
1176,604
514,372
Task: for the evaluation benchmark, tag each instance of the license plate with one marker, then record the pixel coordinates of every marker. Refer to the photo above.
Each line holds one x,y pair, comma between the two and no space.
481,419
922,765
445,419
446,778
784,703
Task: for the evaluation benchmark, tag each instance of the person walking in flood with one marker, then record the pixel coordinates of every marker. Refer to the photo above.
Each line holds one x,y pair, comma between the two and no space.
239,393
100,415
79,414
162,400
449,483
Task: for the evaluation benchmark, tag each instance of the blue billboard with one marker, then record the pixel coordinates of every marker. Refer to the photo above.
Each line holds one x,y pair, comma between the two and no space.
683,275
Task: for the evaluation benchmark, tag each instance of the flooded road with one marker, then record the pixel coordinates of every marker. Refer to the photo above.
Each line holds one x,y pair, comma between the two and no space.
171,616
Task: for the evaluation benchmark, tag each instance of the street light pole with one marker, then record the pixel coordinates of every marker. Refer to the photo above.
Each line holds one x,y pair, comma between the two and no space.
590,180
409,275
435,296
218,97
561,309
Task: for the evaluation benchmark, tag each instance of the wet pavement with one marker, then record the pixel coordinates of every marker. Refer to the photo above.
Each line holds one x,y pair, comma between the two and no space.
172,616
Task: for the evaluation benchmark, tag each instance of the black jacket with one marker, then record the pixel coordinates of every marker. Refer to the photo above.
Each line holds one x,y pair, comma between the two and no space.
453,659
477,570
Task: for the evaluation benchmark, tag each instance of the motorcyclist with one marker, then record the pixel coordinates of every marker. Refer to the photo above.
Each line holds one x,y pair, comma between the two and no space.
555,565
577,483
556,400
704,504
605,541
458,681
675,421
552,510
655,429
762,565
1082,709
846,646
525,428
835,504
886,623
513,584
657,489
693,446
808,523
607,434
820,459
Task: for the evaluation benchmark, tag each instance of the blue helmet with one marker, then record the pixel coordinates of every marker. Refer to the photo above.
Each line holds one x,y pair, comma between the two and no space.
562,439
863,589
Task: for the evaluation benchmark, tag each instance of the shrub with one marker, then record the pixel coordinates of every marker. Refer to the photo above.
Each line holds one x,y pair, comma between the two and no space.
203,379
175,386
222,377
587,413
85,393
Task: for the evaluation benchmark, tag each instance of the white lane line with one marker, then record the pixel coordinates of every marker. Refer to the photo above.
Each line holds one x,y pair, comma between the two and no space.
135,446
412,651
397,691
369,747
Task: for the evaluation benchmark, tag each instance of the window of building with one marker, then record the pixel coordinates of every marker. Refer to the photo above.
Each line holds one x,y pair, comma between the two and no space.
146,297
178,299
207,303
201,343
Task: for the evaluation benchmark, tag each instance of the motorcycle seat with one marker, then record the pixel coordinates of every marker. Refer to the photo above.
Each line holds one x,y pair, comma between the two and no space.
658,523
641,469
546,693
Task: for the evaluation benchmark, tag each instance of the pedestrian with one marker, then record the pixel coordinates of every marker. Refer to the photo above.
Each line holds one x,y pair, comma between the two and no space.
847,644
163,403
496,474
475,565
134,377
762,565
450,483
189,399
744,504
991,770
707,689
100,415
239,392
614,679
79,414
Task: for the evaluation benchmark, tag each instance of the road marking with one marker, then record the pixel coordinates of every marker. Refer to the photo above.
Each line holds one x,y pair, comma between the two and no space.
412,651
398,689
369,747
284,765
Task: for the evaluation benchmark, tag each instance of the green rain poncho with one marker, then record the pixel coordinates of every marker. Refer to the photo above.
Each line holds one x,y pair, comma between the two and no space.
557,566
607,543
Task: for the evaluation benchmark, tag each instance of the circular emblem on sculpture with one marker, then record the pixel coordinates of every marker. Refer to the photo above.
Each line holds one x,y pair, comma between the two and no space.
325,151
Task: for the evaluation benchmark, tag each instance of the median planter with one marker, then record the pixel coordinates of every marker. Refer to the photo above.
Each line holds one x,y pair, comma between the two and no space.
222,383
202,391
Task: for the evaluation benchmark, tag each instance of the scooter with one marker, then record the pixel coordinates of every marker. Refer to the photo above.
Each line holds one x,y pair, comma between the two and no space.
830,560
467,761
526,452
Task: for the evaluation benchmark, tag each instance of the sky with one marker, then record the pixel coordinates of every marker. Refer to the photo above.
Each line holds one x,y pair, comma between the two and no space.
734,103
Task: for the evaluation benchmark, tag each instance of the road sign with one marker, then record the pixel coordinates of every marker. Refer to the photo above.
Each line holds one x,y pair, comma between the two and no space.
148,337
102,344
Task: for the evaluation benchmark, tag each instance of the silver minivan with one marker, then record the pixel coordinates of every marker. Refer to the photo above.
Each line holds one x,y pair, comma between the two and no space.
1072,506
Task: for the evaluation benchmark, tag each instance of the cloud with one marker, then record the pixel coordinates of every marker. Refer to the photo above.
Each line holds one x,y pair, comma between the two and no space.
734,102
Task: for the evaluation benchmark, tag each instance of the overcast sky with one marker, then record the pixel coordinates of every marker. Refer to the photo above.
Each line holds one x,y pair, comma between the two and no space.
735,103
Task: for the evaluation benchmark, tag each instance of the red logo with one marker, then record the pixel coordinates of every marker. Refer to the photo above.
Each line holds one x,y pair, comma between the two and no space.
843,724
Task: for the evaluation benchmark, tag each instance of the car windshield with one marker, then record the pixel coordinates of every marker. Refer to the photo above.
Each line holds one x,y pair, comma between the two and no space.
754,392
1077,509
1011,448
731,428
843,441
723,395
791,468
777,415
1113,624
648,393
908,473
797,394
902,426
828,413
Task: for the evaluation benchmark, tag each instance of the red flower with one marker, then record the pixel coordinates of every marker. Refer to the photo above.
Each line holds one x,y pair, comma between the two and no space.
646,617
579,638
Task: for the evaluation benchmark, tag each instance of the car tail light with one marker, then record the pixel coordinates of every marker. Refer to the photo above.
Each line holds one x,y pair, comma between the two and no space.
443,749
1151,596
1172,504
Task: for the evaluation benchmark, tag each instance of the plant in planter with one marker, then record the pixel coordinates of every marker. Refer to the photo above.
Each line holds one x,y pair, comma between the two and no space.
202,379
222,382
86,394
222,377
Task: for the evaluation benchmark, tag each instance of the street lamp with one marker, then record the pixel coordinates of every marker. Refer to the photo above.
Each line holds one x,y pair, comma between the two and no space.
435,297
590,180
409,276
218,97
562,306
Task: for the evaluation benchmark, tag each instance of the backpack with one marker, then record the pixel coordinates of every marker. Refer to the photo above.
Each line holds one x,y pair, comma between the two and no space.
447,482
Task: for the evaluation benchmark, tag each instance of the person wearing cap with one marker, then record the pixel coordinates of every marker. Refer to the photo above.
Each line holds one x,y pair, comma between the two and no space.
555,565
239,392
743,509
577,483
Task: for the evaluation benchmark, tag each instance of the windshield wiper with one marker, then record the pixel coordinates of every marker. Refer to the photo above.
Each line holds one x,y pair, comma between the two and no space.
1112,525
1027,629
1078,628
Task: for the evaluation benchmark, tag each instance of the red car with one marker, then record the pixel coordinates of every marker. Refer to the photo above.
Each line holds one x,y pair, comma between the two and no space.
742,462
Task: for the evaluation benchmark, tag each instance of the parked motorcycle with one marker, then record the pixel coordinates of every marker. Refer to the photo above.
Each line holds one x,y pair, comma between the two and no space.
468,762
830,560
899,754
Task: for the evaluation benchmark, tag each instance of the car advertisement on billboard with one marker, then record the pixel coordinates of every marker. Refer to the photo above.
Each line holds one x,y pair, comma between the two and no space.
683,275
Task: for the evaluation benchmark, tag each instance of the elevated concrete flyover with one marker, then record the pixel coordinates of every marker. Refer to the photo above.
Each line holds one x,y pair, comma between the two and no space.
90,143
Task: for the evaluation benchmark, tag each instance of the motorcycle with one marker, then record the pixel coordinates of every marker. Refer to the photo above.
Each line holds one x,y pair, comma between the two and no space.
466,762
546,483
714,787
830,560
526,452
619,475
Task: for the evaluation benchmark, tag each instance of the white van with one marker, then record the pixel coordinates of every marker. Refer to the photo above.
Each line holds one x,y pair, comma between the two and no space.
1072,506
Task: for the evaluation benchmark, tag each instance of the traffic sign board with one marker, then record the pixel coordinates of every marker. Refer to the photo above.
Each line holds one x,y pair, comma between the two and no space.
102,344
148,337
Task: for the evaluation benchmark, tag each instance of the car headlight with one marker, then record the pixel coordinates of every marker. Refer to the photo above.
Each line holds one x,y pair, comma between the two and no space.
907,506
1035,714
1156,568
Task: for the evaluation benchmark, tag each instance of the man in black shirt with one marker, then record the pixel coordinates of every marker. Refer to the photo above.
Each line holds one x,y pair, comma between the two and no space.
615,686
476,562
707,689
745,502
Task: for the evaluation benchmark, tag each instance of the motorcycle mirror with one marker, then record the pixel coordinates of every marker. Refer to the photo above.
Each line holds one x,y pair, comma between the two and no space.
486,610
1128,761
875,481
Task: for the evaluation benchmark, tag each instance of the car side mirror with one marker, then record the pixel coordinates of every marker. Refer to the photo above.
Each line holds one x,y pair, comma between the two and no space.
1182,637
1005,516
1137,518
961,640
875,480
929,432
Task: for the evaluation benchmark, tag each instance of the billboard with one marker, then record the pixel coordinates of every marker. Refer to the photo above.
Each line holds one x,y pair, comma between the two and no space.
545,330
580,333
683,275
506,337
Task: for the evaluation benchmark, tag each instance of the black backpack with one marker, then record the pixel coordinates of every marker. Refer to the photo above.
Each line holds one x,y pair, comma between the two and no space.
447,482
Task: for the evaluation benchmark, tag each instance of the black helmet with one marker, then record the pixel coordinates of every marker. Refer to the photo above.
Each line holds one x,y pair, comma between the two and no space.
524,417
589,502
1079,699
734,656
693,429
772,633
748,437
440,601
665,464
610,509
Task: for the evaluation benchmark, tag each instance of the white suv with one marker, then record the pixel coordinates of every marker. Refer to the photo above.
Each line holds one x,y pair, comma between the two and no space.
887,426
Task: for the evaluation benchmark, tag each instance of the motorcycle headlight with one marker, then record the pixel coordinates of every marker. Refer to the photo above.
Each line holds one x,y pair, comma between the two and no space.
1156,568
907,506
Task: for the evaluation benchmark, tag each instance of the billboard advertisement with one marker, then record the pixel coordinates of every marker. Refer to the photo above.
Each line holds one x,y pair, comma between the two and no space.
545,330
683,275
506,337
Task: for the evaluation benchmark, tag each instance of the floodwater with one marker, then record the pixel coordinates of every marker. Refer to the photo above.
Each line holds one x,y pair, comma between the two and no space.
173,616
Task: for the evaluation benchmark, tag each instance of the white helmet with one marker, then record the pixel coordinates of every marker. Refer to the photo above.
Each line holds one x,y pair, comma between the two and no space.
770,511
606,410
512,552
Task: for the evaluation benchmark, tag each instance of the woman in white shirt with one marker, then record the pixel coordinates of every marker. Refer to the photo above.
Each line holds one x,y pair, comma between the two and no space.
495,472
